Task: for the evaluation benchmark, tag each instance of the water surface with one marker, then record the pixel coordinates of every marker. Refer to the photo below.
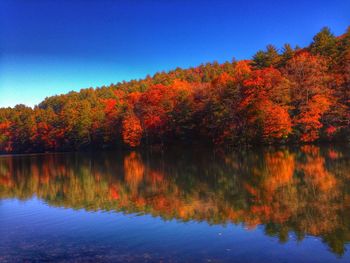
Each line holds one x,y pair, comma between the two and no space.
182,205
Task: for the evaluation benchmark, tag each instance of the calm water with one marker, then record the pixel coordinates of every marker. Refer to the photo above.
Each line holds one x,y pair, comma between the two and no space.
266,205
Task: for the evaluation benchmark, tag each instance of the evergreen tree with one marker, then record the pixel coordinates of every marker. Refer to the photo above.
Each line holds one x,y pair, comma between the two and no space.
324,44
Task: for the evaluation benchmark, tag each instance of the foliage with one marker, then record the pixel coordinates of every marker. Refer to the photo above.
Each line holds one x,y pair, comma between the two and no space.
297,95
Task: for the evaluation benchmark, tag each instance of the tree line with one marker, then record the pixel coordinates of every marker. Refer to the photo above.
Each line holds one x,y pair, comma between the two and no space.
288,95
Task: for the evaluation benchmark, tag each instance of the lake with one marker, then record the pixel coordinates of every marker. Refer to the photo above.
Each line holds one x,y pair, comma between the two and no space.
180,205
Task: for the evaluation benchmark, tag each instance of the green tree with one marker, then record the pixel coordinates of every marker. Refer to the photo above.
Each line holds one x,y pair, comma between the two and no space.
270,57
324,44
287,53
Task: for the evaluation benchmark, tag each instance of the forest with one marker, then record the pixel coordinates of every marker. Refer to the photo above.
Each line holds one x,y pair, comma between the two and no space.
287,95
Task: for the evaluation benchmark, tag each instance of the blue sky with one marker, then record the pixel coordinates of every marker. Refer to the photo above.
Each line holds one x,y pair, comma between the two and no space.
52,47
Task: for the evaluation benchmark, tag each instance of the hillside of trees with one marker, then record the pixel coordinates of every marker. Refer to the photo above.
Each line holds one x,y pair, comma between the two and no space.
287,95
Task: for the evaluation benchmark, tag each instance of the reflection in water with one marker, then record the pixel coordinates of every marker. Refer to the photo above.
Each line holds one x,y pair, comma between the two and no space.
305,191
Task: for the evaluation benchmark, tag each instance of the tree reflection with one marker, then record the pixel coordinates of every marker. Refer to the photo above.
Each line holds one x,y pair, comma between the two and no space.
302,191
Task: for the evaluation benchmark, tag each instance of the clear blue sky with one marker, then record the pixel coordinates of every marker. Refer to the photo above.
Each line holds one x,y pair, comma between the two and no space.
52,47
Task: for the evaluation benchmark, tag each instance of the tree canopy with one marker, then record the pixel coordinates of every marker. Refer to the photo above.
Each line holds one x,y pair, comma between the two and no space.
298,95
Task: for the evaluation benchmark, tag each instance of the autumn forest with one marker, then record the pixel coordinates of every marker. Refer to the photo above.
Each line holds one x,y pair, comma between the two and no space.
282,95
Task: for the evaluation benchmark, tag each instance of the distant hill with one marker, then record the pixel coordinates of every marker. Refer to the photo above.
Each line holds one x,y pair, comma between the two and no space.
288,95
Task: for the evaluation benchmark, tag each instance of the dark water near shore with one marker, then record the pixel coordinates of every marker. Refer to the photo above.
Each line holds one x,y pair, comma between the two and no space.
183,205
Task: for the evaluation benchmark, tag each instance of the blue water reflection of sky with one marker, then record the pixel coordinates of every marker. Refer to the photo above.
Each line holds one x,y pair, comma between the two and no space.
34,229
